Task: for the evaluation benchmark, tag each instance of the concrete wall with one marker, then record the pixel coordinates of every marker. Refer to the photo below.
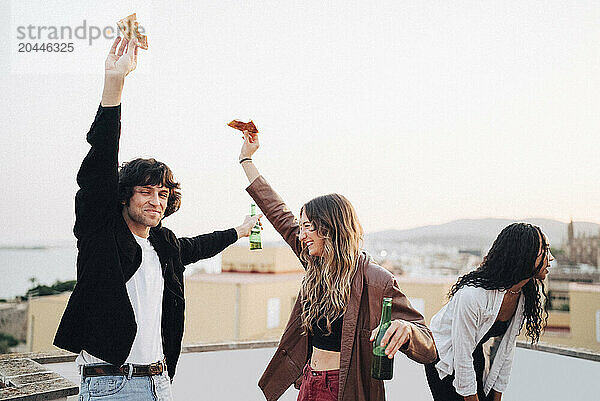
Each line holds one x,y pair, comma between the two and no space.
585,315
427,296
536,376
206,300
13,319
42,321
582,321
263,299
238,310
268,260
559,319
210,310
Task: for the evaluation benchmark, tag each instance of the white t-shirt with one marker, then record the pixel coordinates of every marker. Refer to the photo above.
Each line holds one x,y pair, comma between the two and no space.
145,290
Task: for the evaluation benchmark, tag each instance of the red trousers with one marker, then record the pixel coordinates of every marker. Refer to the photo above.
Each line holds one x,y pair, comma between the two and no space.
319,385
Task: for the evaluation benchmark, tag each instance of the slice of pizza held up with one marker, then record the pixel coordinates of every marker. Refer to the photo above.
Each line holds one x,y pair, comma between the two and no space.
242,126
129,26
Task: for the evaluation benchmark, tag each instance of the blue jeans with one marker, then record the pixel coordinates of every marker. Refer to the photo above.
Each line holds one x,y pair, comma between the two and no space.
121,388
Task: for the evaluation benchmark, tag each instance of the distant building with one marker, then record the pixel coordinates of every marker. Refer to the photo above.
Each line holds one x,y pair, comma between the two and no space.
13,319
474,252
583,249
560,278
231,307
238,305
571,268
579,326
43,317
278,259
250,300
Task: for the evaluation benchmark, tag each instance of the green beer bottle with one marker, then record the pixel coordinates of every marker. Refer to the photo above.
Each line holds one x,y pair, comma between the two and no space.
382,367
255,242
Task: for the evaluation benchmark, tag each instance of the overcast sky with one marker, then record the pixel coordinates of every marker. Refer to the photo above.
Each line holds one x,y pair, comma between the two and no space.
419,112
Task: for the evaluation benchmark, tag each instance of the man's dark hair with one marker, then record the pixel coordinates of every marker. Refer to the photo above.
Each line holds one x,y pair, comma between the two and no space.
141,172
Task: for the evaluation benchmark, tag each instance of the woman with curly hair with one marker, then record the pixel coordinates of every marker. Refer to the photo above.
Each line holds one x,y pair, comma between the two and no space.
493,301
327,345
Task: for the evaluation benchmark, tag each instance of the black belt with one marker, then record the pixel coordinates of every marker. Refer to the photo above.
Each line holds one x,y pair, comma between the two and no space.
153,369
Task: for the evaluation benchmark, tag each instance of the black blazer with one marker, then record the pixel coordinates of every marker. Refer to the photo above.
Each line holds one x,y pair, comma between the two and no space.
99,317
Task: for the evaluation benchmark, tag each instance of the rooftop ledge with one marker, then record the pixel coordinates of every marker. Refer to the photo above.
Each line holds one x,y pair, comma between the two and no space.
65,356
24,377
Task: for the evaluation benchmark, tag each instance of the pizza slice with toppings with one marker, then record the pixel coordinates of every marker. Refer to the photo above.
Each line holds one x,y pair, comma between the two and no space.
242,126
129,26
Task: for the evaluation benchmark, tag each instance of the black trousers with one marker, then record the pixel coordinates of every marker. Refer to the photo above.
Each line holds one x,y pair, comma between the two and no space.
443,390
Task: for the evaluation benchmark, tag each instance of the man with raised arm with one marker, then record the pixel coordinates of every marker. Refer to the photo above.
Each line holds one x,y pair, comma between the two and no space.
126,314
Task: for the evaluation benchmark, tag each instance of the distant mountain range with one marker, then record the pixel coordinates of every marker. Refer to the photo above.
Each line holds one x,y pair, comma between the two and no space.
463,234
478,233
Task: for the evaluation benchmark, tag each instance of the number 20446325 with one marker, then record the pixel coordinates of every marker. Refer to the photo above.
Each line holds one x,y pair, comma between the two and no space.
26,47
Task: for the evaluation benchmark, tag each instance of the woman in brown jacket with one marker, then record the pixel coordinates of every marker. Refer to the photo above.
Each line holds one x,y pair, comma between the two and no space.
327,342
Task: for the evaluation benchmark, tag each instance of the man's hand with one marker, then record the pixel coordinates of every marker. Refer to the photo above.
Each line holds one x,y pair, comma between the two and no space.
124,61
250,221
395,336
117,66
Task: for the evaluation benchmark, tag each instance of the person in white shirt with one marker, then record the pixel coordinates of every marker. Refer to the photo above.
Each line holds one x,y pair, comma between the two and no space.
125,317
491,302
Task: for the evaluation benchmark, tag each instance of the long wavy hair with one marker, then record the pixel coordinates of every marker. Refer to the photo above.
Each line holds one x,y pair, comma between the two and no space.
326,286
511,260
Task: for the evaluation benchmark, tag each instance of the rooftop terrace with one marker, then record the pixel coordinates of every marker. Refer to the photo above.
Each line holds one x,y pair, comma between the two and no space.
230,371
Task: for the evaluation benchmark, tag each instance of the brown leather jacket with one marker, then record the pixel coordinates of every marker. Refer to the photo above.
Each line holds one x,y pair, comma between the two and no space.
370,285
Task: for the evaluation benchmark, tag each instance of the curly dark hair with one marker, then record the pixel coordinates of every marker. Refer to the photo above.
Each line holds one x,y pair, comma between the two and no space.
511,260
141,172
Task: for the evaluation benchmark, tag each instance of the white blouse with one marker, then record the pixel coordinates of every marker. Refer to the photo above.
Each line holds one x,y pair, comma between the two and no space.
460,325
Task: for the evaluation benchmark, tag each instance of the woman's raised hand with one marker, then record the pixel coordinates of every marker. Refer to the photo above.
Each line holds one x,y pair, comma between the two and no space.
250,145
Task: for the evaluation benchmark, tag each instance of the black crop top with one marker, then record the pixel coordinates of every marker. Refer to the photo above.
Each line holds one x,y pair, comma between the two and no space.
331,342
